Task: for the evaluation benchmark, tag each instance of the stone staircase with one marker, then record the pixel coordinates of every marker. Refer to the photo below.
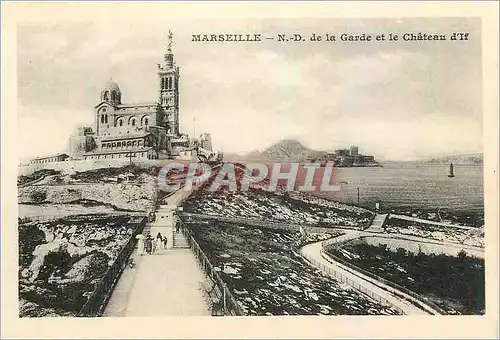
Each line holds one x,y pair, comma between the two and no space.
179,241
378,222
147,229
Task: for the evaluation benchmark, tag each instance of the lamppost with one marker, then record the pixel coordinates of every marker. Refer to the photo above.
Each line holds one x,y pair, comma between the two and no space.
130,157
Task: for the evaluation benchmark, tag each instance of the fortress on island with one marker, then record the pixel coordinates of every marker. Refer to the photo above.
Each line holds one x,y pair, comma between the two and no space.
350,158
139,130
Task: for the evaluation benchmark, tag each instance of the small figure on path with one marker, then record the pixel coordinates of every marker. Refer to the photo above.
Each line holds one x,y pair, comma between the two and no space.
177,227
140,244
149,244
153,245
165,242
159,241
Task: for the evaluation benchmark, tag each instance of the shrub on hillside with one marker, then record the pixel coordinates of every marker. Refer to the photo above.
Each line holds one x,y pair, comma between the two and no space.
38,196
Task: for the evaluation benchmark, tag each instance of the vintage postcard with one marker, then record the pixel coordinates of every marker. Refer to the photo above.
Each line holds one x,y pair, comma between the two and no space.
249,170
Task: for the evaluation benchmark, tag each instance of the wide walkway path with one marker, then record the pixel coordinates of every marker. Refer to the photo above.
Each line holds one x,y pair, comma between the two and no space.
166,283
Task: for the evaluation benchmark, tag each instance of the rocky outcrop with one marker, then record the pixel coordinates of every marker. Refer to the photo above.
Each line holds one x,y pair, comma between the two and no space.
32,309
61,264
134,197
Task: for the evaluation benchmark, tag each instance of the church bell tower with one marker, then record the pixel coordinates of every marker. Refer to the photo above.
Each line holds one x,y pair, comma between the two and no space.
168,90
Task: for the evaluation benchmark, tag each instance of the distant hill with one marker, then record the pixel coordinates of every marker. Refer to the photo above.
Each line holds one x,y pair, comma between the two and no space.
464,159
284,150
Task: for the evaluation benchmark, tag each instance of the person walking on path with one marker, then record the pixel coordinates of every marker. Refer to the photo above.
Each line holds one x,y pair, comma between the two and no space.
140,244
153,245
165,242
159,241
149,244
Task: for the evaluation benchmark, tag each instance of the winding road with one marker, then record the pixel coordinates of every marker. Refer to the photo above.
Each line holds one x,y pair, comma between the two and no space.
314,254
409,305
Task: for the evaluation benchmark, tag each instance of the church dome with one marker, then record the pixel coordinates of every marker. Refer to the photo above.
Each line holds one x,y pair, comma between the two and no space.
110,92
111,85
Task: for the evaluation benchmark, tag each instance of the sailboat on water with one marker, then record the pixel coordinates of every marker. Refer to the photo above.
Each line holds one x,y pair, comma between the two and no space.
451,174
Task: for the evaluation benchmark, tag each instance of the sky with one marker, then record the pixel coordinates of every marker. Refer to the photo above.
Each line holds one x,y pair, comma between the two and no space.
395,100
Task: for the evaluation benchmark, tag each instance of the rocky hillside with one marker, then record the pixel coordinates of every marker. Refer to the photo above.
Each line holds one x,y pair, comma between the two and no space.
61,262
134,197
137,193
285,150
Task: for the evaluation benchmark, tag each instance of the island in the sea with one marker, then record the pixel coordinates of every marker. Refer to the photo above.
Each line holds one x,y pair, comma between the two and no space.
349,158
293,151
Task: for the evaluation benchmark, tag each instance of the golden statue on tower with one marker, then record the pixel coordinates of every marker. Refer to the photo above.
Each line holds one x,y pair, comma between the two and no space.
169,44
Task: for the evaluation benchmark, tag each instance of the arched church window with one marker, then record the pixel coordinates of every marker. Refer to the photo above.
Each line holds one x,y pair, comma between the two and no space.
120,122
132,122
113,95
146,121
106,119
162,83
106,95
102,119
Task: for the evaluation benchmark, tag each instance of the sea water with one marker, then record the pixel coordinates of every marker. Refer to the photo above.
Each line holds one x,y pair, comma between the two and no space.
411,185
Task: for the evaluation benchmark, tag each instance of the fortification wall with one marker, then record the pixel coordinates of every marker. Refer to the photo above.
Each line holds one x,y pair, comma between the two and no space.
85,165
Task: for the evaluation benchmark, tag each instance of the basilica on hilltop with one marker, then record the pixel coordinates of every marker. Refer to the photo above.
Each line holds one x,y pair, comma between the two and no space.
145,130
